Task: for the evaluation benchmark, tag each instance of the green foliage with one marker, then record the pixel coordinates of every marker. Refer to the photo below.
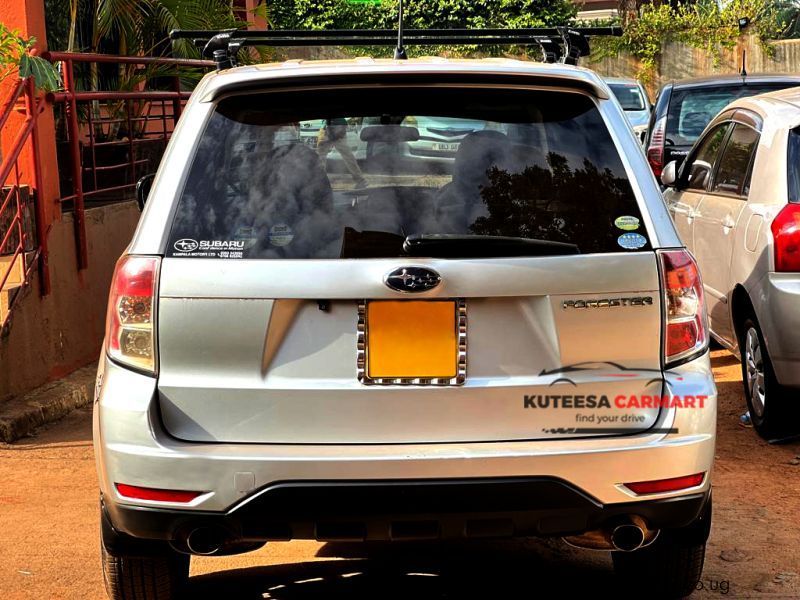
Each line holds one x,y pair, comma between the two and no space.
423,14
341,14
57,19
15,58
141,26
789,15
703,25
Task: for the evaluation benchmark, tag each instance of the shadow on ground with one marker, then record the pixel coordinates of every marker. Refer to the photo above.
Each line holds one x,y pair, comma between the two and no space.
513,569
732,405
724,359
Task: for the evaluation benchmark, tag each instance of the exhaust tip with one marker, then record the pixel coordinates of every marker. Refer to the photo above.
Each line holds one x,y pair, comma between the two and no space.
205,540
627,537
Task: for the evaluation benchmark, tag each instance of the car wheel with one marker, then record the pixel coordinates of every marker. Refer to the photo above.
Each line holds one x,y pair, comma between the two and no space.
766,398
158,576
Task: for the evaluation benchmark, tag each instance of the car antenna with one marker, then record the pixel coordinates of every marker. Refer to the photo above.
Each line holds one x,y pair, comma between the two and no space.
743,23
400,51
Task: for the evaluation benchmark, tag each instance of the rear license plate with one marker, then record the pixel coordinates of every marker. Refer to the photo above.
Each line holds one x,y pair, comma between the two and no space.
446,147
413,340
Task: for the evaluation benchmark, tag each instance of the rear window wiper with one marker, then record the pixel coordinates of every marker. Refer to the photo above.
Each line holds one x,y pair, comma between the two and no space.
449,245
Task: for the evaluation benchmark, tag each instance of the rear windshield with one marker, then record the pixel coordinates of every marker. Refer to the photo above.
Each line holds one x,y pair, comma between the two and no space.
690,110
382,173
629,96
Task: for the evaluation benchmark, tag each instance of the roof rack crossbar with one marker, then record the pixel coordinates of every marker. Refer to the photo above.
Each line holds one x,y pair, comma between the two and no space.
177,34
565,44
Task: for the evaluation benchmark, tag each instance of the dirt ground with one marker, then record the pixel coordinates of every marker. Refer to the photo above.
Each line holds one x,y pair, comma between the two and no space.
49,533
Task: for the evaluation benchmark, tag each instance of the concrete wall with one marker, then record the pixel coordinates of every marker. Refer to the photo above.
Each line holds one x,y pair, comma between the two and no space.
679,61
52,336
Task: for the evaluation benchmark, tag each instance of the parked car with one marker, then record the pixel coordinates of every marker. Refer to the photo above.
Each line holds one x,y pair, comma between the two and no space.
440,137
736,203
515,347
684,108
438,140
634,101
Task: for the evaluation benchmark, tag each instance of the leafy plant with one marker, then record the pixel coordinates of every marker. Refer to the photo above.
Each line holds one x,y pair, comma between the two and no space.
15,59
705,24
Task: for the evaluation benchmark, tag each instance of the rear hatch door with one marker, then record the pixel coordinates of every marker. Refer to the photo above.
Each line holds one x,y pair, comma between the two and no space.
513,297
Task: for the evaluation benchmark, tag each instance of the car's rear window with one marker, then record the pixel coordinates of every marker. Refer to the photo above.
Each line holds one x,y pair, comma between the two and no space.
383,172
691,109
629,96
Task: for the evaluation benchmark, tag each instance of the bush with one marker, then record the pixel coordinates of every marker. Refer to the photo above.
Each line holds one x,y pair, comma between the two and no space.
423,14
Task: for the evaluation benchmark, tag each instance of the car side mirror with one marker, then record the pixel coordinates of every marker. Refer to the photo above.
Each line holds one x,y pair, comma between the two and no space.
143,189
669,176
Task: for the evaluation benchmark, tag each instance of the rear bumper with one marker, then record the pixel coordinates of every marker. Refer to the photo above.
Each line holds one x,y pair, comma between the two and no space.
586,474
404,510
778,310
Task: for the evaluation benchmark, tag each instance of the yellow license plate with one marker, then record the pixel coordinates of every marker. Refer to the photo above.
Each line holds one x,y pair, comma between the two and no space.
411,339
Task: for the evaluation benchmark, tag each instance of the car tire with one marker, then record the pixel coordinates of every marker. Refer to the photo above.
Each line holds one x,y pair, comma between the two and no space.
671,566
666,568
767,400
159,576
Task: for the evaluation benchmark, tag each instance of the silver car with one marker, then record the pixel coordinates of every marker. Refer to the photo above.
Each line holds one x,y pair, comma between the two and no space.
634,101
736,204
515,345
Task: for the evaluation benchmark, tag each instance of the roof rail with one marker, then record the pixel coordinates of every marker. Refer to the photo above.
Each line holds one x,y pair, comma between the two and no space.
558,44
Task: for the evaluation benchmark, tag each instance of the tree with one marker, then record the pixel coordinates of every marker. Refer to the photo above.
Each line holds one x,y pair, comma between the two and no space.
423,14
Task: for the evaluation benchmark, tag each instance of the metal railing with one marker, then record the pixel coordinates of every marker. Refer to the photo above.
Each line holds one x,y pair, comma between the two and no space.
23,242
112,138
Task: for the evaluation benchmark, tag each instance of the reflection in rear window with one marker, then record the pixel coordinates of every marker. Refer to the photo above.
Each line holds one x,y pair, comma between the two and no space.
375,173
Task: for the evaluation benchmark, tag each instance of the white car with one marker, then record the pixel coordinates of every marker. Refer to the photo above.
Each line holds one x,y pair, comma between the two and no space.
736,204
633,99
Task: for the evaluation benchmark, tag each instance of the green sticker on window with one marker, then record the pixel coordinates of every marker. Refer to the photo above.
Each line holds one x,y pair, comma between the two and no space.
627,223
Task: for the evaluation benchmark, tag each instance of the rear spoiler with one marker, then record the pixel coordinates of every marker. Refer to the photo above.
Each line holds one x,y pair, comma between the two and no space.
558,44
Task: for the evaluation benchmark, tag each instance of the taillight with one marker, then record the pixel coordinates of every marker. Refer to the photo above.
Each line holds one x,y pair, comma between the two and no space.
686,327
666,485
786,236
130,332
655,150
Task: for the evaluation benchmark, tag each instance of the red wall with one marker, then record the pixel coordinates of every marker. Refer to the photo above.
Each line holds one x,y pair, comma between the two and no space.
28,17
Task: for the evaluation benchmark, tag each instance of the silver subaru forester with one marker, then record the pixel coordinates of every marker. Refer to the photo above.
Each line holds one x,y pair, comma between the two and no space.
501,335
